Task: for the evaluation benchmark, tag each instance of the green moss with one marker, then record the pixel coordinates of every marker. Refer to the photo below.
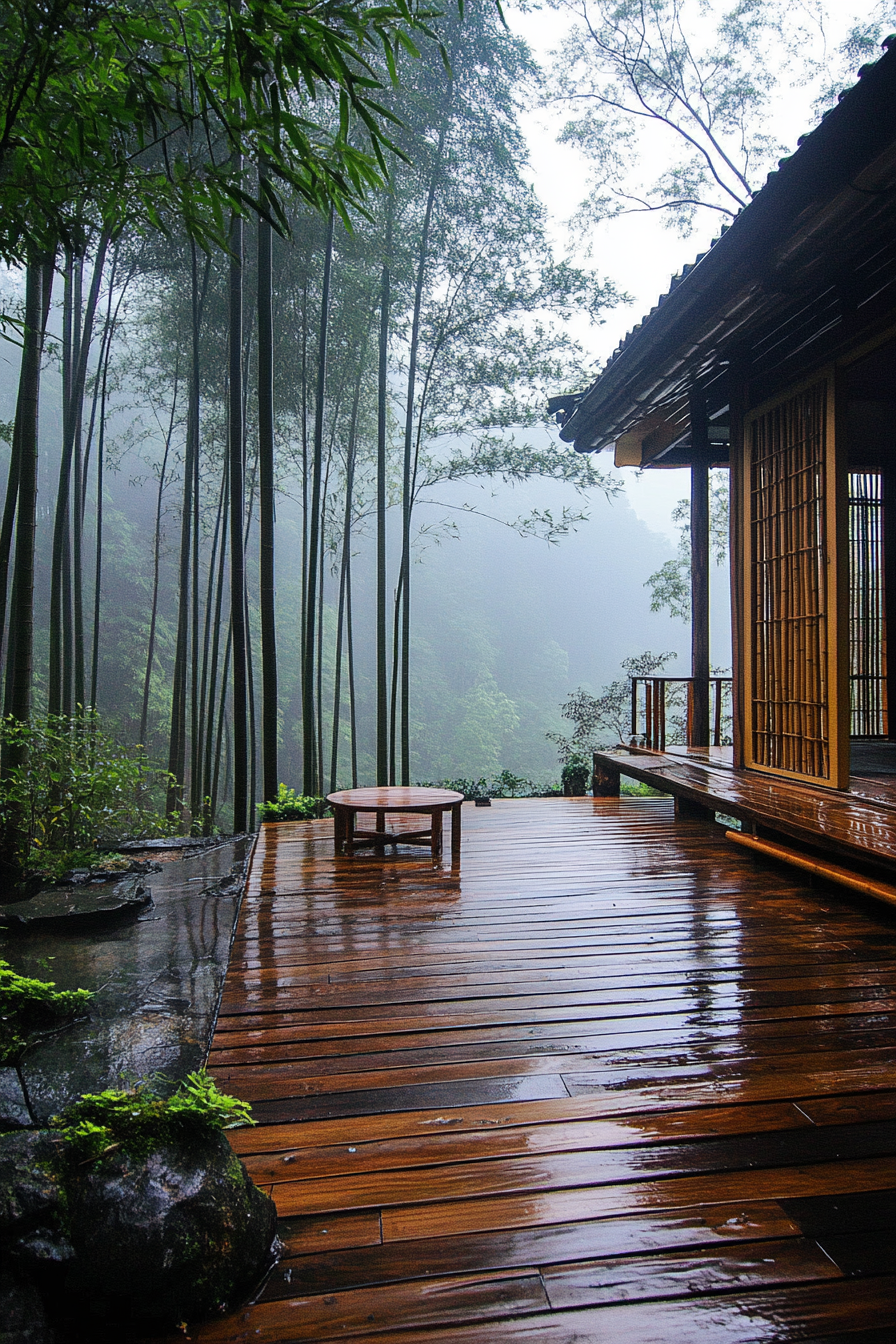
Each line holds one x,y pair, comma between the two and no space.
139,1121
27,1006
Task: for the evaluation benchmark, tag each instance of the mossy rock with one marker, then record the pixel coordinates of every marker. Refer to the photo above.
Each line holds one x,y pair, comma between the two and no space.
175,1235
31,1194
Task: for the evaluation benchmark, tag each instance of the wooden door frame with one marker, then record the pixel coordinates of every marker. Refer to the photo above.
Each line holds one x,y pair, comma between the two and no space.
836,589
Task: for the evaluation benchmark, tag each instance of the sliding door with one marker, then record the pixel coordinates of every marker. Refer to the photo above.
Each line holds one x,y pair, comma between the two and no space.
794,659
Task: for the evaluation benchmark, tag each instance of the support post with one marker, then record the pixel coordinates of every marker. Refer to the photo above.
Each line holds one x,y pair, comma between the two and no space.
889,539
687,810
604,779
699,736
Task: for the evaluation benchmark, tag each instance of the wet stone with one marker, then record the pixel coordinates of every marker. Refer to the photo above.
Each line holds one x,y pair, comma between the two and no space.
22,1316
156,979
65,907
14,1113
30,1194
176,1235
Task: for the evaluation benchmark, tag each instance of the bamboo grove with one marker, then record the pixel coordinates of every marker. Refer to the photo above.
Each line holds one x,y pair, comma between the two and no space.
298,356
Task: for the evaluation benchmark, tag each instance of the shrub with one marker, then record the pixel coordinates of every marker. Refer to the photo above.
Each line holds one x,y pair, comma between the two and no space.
140,1121
291,806
69,785
638,789
504,785
29,1005
575,775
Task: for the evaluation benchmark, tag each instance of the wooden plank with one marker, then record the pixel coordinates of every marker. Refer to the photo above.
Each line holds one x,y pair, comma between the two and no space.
850,1109
481,1215
642,1041
533,1076
368,1310
806,996
640,1277
435,1149
846,824
705,1227
284,1043
593,1168
808,1313
655,1100
308,1236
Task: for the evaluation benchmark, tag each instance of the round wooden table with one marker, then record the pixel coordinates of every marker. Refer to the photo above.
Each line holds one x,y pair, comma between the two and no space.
432,803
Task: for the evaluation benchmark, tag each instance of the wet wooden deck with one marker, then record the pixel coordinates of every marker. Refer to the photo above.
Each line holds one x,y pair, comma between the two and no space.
858,825
611,1080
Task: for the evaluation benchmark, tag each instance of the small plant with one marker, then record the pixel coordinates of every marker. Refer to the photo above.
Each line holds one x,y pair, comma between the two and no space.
470,788
69,784
504,785
509,785
27,1006
139,1121
54,864
575,775
291,806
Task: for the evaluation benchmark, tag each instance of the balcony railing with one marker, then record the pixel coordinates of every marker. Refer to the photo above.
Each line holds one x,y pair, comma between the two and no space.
658,701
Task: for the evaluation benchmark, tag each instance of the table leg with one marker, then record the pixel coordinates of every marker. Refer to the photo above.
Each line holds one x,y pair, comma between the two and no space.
339,828
455,832
349,839
380,826
435,834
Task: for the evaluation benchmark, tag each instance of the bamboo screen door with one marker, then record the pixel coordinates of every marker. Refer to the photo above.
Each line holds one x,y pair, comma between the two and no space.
869,716
795,689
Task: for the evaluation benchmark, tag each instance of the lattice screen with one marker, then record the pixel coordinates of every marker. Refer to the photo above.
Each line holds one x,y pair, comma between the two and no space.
790,721
867,634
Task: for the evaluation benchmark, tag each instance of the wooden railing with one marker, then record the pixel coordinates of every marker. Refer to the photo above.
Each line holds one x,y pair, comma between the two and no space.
653,702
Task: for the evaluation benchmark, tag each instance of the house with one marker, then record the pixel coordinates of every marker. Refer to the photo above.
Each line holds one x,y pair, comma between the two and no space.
775,354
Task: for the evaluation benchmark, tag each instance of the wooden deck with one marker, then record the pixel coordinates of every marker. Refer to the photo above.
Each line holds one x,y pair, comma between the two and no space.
610,1080
858,825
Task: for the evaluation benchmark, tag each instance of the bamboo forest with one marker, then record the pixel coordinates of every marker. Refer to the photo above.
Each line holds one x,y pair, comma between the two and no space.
243,418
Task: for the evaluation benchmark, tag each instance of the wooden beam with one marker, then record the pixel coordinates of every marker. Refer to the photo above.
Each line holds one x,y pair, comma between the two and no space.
699,569
604,779
880,891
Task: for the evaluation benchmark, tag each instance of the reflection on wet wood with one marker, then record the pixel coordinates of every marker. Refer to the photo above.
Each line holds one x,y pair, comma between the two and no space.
606,1079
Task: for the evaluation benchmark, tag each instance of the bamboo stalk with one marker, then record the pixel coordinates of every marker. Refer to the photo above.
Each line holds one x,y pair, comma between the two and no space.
881,891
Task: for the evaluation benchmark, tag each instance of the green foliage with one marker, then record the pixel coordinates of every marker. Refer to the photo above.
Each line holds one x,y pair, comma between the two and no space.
139,1121
53,864
670,585
72,785
576,774
636,788
291,806
605,719
113,108
503,785
27,1006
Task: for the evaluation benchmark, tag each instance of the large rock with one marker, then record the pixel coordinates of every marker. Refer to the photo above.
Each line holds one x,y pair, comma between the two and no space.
14,1112
22,1316
176,1235
31,1197
78,907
